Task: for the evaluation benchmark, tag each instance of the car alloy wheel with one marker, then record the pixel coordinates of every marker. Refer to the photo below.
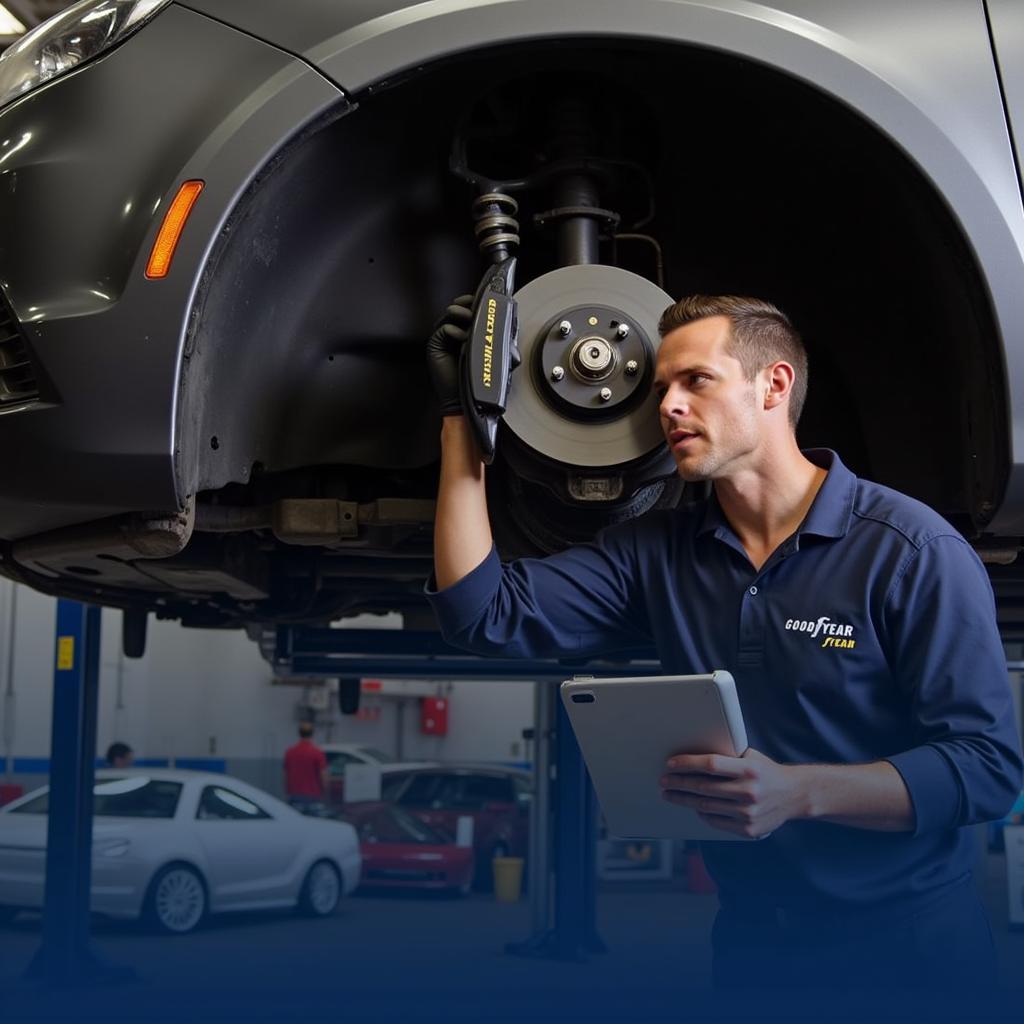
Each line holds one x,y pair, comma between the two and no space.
321,891
178,899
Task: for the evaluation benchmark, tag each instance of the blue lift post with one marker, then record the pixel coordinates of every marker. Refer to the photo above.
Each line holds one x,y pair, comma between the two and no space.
353,653
575,928
65,957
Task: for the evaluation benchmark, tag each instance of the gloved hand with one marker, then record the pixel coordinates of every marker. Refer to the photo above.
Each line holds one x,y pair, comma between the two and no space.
444,348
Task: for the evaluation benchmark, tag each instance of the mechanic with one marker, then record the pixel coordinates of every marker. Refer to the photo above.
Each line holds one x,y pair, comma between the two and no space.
861,631
120,755
305,773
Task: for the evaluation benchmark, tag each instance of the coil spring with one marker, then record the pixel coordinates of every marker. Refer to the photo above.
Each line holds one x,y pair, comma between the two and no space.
497,230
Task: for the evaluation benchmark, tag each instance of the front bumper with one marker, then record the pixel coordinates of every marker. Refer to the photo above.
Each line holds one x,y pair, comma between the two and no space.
91,162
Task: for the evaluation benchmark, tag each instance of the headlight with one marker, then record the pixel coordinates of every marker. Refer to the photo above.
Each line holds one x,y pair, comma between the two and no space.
69,39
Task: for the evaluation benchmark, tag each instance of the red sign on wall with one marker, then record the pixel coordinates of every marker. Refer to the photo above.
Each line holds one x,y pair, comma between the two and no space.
434,716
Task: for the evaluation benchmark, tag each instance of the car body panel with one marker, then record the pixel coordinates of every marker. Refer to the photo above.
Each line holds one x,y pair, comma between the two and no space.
440,795
1007,23
246,865
73,289
237,359
395,857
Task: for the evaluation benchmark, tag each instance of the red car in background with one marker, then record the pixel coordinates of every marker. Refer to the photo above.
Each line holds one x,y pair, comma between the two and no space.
401,852
497,799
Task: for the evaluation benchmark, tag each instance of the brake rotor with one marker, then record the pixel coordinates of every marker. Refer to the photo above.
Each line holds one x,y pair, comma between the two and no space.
588,338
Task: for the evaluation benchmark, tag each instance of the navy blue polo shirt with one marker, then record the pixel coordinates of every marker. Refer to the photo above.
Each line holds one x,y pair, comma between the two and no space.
869,634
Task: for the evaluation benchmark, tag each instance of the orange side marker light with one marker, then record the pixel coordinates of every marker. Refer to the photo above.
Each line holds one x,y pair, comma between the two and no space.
170,231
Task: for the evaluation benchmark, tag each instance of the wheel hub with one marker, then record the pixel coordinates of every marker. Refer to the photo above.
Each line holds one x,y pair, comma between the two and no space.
608,362
588,339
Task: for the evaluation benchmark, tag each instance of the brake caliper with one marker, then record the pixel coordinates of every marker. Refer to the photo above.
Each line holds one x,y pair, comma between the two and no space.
490,355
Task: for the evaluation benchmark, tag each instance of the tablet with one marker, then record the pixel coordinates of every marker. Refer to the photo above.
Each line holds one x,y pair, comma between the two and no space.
627,728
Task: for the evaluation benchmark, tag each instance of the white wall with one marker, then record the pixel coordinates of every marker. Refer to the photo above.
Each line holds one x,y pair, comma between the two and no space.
485,723
25,670
208,693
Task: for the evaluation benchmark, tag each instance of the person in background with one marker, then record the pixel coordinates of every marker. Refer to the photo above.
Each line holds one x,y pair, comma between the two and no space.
305,773
120,755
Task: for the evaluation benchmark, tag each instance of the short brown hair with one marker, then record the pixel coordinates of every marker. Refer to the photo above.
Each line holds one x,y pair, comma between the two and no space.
761,334
305,729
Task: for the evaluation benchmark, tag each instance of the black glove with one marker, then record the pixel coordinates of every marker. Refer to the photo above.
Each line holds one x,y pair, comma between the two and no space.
443,350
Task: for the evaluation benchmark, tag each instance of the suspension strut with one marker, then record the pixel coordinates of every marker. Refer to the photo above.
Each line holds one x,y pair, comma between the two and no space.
492,351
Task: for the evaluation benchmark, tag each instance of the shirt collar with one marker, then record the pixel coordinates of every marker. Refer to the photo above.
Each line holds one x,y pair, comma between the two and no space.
829,514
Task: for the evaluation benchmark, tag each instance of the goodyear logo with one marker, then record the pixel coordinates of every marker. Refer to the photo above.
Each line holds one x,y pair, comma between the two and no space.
833,634
492,312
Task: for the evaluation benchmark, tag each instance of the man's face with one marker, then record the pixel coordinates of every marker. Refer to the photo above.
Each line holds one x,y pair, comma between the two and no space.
709,413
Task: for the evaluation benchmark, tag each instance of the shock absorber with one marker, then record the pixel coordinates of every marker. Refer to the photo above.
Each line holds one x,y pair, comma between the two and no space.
497,230
492,353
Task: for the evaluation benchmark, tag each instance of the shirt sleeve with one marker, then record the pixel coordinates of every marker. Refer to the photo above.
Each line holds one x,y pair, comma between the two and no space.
944,649
579,602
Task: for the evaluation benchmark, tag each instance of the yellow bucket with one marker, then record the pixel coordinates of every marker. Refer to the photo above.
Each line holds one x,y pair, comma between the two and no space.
508,878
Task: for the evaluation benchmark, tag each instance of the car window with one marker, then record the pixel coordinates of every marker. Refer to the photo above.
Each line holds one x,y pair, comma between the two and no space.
391,785
220,804
417,830
392,825
40,805
451,792
135,796
476,790
131,797
378,755
338,760
422,791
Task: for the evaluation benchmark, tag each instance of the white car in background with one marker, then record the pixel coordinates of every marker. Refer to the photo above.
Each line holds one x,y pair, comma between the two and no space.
172,846
341,755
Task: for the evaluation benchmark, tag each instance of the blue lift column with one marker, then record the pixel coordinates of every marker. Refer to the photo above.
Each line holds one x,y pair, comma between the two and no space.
65,958
576,818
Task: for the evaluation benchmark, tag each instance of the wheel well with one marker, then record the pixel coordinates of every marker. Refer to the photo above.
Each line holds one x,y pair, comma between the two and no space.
336,265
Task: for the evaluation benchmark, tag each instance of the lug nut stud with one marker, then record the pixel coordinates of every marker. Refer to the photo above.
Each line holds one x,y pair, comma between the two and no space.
622,331
564,328
557,373
631,367
606,394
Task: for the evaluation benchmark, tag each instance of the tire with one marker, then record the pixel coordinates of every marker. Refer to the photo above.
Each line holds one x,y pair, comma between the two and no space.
321,890
176,901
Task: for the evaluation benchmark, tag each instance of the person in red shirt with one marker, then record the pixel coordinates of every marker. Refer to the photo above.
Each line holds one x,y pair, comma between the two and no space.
305,772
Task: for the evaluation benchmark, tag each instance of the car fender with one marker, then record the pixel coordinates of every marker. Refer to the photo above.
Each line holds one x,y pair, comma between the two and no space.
85,256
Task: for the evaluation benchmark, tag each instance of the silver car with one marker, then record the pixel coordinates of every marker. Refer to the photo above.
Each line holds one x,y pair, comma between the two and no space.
172,846
216,284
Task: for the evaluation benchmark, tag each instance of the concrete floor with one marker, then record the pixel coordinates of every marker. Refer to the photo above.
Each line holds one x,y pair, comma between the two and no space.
407,959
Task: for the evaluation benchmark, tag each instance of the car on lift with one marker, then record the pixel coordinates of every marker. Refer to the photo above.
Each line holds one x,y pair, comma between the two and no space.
216,285
497,800
171,846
